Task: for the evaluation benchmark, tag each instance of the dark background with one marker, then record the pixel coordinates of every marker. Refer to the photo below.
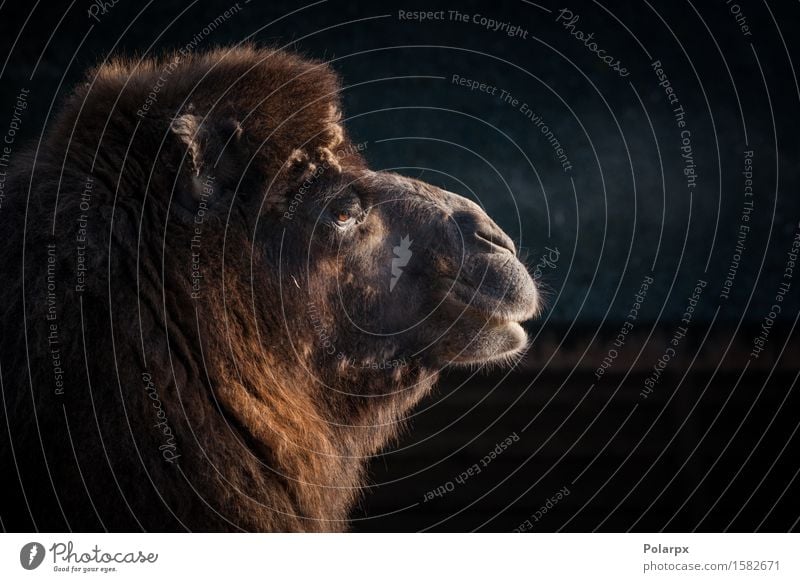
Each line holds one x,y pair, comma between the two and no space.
714,446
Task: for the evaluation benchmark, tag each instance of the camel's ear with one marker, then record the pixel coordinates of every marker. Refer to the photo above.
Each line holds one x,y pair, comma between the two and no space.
209,144
191,136
187,129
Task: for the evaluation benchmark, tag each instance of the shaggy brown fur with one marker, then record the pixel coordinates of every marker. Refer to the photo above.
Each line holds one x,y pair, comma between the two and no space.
196,294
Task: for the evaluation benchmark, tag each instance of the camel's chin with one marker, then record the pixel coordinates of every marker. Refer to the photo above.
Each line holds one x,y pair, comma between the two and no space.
501,343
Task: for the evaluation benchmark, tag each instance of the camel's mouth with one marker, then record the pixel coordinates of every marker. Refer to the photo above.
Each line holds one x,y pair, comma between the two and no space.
516,300
486,318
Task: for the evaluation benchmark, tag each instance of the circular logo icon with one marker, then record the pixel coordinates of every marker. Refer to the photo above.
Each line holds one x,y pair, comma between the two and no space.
31,555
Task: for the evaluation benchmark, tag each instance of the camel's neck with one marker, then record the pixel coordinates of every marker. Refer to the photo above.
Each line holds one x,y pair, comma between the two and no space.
370,406
315,423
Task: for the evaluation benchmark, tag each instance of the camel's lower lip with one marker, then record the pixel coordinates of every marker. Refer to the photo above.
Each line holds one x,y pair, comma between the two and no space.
497,341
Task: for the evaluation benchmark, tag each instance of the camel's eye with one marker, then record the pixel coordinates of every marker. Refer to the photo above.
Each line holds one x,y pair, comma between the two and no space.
345,217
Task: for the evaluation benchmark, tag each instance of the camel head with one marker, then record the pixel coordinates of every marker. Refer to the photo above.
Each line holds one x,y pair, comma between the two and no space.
398,270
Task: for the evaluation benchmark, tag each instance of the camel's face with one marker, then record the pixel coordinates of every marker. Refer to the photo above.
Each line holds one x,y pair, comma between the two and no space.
399,270
384,267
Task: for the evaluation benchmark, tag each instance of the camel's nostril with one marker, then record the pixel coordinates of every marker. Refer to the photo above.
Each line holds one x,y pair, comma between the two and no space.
496,241
478,229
